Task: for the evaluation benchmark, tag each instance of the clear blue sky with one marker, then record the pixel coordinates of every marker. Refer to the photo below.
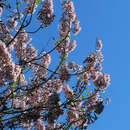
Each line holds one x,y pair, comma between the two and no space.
108,20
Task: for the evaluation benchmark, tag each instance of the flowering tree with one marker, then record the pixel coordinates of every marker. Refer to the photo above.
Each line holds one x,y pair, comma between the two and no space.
30,92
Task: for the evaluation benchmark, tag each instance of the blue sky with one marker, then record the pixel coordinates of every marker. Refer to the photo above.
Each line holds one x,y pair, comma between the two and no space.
108,20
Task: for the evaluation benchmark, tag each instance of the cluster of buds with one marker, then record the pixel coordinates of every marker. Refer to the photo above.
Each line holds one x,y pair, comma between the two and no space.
9,70
67,20
45,15
30,6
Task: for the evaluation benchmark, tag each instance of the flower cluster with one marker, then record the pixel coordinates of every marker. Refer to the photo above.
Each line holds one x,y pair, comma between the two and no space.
92,101
76,28
92,68
64,73
20,44
4,33
101,80
67,91
40,70
19,103
68,18
45,15
0,11
30,53
30,6
11,23
54,109
9,70
24,52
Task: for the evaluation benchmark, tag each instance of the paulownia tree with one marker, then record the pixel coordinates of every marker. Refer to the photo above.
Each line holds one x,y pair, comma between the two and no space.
30,92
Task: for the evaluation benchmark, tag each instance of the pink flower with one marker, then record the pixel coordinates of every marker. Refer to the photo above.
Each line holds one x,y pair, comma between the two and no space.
67,91
101,80
99,45
72,46
45,15
0,12
11,23
77,28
